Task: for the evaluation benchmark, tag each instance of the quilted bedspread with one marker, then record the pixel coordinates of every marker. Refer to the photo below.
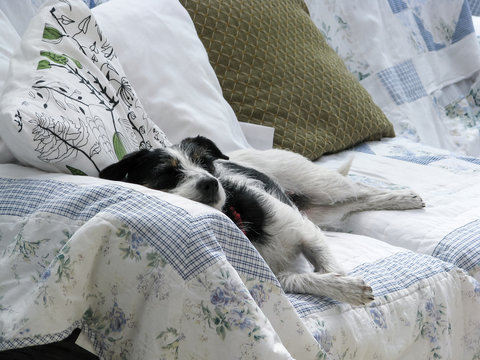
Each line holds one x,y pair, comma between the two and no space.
419,59
146,274
140,276
149,275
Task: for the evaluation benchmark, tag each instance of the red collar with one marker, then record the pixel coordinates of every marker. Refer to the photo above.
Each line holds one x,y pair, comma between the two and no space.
237,219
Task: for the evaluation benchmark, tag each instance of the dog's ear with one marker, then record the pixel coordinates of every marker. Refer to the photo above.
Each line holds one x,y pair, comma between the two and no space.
119,170
201,146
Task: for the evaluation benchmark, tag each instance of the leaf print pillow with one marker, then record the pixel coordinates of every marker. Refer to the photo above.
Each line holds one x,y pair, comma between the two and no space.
67,105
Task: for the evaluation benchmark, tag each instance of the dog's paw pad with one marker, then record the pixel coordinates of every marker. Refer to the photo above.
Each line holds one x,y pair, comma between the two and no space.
418,200
409,200
358,293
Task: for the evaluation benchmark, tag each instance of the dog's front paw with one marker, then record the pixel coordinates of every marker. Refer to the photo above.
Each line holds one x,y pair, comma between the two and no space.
407,200
417,201
356,291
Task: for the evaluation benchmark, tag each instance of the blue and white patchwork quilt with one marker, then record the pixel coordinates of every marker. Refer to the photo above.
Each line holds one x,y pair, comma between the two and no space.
146,274
449,226
419,59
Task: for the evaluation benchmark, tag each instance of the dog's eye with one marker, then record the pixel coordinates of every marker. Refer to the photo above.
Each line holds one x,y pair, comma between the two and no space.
166,177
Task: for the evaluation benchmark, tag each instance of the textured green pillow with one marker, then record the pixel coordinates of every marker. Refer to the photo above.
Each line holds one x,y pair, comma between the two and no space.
276,69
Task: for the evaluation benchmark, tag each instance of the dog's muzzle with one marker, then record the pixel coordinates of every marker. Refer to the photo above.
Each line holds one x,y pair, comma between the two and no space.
208,187
211,192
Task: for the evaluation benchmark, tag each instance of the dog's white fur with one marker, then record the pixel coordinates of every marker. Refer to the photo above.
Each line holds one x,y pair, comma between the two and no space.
188,188
332,197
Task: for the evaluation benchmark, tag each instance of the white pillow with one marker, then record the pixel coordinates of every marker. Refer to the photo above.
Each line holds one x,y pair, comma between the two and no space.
67,105
20,12
9,40
168,65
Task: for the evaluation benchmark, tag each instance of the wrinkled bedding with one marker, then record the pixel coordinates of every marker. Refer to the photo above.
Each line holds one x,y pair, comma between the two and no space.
449,226
146,274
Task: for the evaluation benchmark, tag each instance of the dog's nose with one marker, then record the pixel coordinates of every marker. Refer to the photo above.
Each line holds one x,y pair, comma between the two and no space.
209,187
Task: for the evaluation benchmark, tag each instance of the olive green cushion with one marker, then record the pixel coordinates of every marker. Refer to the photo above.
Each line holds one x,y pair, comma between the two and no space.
276,69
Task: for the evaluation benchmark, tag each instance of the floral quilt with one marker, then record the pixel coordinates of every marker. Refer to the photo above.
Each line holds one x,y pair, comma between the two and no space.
141,277
148,275
419,59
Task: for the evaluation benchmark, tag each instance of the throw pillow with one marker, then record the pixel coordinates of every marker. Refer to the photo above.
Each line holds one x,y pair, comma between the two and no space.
276,69
9,39
67,105
166,62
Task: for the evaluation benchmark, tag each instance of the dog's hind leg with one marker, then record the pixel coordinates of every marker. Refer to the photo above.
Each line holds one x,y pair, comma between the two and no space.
288,234
312,186
352,290
366,198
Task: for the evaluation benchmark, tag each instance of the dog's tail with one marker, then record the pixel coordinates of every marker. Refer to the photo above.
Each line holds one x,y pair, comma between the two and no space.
345,168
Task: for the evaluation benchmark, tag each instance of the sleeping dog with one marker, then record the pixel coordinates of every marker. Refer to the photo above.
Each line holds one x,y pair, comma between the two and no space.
276,197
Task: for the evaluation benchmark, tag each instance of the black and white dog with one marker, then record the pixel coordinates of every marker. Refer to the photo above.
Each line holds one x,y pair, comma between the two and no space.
276,197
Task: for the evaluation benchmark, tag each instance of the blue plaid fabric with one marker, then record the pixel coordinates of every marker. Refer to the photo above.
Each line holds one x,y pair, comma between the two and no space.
46,339
403,153
464,24
190,244
430,159
463,28
461,247
474,7
402,83
385,276
397,6
420,159
470,159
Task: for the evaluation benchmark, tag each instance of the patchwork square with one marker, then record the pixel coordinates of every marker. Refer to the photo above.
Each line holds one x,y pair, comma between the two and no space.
460,247
397,5
464,24
403,83
474,7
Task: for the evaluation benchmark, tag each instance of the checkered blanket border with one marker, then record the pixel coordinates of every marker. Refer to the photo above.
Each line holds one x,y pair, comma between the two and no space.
461,247
386,276
189,243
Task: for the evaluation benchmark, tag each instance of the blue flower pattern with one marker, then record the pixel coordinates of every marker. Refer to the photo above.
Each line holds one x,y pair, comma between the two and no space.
230,307
378,317
433,324
117,319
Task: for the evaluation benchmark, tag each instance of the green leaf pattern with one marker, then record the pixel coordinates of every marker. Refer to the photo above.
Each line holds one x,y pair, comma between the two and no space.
92,116
118,146
75,171
52,34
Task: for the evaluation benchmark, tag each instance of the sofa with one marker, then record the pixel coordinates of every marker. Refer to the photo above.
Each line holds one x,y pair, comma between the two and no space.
389,85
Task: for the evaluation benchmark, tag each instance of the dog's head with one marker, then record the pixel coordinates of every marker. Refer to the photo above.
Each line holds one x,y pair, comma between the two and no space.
186,169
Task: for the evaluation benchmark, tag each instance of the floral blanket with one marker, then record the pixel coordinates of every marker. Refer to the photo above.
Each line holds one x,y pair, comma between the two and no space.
148,275
419,59
140,276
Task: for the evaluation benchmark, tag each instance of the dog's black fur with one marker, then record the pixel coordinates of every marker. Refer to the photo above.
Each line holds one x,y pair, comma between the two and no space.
160,170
